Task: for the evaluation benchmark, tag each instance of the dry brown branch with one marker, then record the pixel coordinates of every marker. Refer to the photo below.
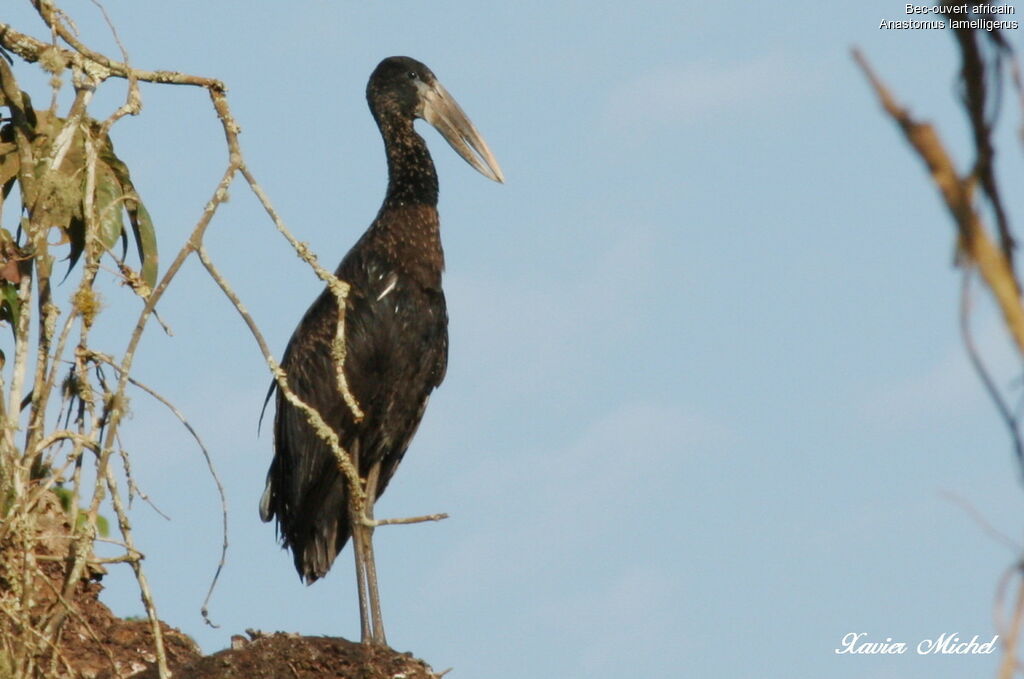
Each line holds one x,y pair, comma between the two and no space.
957,193
30,49
373,523
975,72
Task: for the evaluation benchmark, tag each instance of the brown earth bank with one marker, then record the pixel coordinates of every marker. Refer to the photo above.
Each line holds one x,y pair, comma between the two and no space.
124,648
296,657
96,644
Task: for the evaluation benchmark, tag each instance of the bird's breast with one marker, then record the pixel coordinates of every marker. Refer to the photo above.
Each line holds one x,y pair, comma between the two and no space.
407,239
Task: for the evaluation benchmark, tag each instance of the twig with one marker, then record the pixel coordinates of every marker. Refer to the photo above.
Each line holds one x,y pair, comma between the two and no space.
981,521
209,465
373,523
986,379
29,49
133,487
973,74
338,287
1018,84
133,102
67,435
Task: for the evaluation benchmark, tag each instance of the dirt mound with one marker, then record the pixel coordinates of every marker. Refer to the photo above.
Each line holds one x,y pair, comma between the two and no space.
290,656
99,645
93,642
96,644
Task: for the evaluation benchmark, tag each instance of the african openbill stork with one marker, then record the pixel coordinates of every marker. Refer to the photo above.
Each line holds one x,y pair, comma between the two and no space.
396,342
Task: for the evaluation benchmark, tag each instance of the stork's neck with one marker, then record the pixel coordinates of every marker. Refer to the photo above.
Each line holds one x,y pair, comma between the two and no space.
412,179
406,229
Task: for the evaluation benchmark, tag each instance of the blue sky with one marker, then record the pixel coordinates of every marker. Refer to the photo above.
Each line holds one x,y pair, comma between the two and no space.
706,397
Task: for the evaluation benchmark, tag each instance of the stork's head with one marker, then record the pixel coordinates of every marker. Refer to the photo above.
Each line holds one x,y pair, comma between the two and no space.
402,88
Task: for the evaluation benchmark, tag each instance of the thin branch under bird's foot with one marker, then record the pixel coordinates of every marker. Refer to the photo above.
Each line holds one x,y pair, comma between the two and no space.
373,523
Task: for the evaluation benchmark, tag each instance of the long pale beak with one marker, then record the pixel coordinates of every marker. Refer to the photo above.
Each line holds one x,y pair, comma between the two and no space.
442,111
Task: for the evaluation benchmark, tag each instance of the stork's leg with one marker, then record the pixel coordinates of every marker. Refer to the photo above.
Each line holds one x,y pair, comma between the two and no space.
370,565
358,542
371,622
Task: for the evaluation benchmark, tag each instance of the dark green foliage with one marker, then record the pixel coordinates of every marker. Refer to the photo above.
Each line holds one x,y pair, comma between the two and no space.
64,495
59,195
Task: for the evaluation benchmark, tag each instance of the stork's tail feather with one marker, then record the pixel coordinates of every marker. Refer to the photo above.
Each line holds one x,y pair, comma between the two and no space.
316,556
315,534
266,513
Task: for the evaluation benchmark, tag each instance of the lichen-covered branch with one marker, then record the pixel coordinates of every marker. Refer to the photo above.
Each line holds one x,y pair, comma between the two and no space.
338,288
323,430
31,50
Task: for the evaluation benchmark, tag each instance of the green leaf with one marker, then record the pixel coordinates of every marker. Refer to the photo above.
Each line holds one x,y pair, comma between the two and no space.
102,525
10,305
108,205
76,237
145,239
64,496
138,215
124,244
30,111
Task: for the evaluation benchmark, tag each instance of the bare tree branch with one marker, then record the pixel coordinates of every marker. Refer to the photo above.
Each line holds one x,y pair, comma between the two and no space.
957,193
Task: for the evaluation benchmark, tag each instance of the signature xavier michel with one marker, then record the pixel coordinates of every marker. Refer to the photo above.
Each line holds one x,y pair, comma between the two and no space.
945,644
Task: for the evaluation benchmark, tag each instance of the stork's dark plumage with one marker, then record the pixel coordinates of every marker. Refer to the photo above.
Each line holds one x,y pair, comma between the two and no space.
396,338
